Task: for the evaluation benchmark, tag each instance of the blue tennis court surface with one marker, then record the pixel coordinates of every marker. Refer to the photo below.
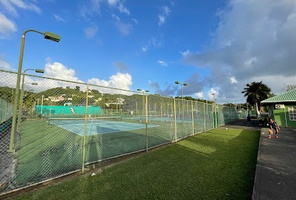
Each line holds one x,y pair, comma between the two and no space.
98,126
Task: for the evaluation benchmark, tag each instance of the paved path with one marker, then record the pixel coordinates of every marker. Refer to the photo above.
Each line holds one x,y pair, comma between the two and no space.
276,166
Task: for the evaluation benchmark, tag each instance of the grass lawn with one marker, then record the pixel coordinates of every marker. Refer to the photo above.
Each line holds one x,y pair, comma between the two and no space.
218,164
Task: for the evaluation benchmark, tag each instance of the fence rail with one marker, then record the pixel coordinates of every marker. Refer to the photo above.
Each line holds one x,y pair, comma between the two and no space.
63,126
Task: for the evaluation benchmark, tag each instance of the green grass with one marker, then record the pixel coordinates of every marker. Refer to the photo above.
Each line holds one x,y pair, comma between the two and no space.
219,164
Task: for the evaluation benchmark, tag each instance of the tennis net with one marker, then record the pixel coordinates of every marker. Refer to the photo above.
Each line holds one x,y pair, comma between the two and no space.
76,120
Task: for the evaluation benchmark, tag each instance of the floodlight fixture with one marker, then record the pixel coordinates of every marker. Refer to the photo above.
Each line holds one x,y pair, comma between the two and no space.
41,71
51,36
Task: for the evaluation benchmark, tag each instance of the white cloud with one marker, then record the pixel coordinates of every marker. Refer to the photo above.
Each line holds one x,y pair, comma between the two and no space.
8,7
186,53
90,31
59,71
94,7
4,65
11,6
213,94
119,4
121,66
8,79
165,11
233,80
91,8
58,18
124,28
56,70
153,42
161,19
250,61
123,9
113,2
6,26
119,80
134,20
162,63
199,95
115,17
254,41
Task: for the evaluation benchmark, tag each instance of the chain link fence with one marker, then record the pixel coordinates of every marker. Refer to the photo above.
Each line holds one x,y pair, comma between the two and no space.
63,126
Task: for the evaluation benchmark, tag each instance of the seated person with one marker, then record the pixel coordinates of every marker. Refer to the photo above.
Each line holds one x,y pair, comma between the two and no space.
273,128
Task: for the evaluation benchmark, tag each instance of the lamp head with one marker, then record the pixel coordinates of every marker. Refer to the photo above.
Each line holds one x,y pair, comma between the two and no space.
177,82
41,71
52,36
185,84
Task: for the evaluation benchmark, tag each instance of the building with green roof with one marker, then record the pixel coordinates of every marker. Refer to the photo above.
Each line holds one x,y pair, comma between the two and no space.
283,108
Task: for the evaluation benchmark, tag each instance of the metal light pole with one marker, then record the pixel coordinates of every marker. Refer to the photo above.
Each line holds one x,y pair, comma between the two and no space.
146,113
48,36
19,119
182,85
143,92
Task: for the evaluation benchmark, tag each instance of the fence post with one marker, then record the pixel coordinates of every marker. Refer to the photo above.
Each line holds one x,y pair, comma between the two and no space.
213,113
175,116
84,132
146,121
205,104
218,112
192,117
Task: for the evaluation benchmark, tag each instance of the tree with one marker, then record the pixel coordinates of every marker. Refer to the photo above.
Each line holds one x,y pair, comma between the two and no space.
77,88
255,93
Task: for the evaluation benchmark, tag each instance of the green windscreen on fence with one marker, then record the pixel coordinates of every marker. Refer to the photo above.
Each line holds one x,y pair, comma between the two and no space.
48,110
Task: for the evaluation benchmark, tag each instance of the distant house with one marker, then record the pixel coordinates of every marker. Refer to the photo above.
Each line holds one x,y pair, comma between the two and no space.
283,108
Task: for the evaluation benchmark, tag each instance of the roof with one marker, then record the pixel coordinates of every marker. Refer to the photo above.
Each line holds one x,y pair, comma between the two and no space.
289,96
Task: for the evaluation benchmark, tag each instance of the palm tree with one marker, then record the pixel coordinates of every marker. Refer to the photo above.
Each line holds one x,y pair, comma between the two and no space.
256,92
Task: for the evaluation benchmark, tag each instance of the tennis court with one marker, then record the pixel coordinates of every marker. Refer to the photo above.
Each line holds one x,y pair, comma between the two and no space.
166,118
96,125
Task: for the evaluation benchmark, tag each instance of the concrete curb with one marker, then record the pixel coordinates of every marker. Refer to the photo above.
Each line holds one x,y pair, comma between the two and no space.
262,132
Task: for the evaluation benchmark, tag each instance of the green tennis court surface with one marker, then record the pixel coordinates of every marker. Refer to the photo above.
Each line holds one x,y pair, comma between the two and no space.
96,126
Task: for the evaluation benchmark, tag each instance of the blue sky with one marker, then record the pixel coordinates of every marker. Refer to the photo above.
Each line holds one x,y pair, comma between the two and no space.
216,46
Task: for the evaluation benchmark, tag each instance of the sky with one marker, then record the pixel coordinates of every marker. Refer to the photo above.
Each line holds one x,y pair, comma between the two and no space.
215,46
